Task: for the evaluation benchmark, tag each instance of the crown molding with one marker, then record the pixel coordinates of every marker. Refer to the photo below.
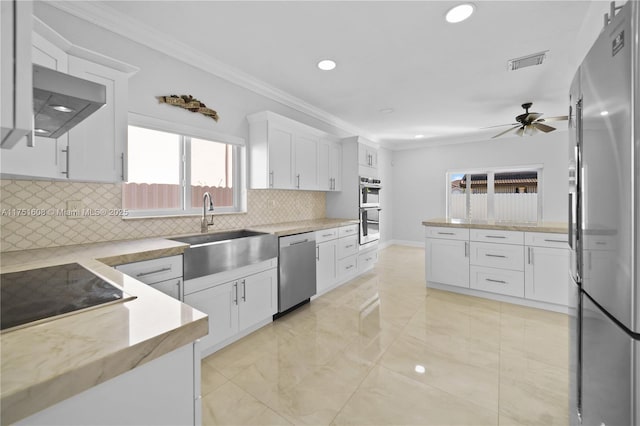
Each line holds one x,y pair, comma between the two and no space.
132,29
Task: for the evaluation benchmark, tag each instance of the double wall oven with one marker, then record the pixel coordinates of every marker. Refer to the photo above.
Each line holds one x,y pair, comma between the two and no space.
369,209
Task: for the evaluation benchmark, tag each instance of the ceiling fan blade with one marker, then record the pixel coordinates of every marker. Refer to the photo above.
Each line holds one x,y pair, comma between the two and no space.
500,125
520,131
506,131
543,127
531,130
558,118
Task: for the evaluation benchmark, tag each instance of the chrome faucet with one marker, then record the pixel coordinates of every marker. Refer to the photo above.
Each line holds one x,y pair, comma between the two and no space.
204,223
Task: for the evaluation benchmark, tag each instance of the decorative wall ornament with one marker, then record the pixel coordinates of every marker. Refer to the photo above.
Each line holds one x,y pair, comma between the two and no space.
190,103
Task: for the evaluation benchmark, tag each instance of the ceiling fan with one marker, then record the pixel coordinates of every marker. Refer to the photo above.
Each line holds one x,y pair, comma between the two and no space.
530,123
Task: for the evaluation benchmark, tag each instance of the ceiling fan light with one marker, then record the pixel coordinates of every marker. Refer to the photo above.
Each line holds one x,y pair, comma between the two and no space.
459,13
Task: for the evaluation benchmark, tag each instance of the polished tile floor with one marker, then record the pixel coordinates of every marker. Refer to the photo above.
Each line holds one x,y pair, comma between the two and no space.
383,350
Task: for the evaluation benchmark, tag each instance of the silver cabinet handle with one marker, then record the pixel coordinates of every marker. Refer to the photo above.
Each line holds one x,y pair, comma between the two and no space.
122,165
244,290
157,271
496,236
555,241
66,151
271,179
327,235
495,255
466,249
349,267
179,290
349,246
317,252
235,291
495,281
529,255
299,242
446,233
298,177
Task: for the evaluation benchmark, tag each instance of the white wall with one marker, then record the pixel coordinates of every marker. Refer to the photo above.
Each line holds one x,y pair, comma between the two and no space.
419,176
385,173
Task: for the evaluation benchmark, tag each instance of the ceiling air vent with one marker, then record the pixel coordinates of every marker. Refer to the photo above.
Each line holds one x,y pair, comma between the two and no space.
527,61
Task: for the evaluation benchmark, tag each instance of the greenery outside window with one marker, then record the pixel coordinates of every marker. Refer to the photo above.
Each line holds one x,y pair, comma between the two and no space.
501,194
168,171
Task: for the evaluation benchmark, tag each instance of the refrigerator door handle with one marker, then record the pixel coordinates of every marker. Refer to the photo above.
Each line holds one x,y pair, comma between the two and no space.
571,245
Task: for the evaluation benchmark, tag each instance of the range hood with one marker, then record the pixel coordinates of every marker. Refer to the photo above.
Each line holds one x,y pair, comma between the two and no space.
60,101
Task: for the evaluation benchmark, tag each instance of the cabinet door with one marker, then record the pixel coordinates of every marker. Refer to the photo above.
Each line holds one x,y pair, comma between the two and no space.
325,179
258,298
326,265
280,158
46,158
306,172
96,144
447,262
546,275
16,114
221,304
335,165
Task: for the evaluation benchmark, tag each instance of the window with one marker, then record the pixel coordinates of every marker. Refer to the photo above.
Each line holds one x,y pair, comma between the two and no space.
508,195
168,173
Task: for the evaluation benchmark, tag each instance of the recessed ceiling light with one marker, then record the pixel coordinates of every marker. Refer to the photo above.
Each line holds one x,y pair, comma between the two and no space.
603,113
419,136
61,108
386,110
40,131
459,13
326,65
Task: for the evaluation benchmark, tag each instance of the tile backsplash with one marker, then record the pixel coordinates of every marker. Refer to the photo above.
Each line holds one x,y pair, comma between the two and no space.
32,214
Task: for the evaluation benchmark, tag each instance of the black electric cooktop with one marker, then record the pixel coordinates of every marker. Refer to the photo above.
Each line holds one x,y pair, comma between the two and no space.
43,293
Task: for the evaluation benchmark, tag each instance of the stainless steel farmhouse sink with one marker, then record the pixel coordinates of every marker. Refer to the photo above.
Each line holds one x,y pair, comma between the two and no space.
222,251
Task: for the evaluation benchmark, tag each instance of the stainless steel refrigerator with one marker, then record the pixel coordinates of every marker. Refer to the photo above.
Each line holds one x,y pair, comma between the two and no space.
604,228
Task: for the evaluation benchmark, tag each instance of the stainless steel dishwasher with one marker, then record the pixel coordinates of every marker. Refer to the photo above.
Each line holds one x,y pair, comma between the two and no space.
296,271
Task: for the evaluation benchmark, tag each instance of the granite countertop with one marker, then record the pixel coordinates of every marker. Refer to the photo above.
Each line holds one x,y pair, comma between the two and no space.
46,363
551,227
290,228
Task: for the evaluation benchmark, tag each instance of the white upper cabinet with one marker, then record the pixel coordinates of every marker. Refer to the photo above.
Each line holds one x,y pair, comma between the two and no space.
93,151
329,165
97,144
306,162
367,156
16,110
285,154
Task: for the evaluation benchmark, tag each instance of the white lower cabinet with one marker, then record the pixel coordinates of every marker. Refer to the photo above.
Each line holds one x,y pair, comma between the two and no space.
326,265
447,261
339,256
164,274
235,301
528,267
496,280
546,275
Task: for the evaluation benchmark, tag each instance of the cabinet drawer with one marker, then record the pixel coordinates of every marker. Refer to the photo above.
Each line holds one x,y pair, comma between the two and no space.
447,233
172,287
347,231
367,260
347,246
543,239
326,235
155,270
505,256
499,281
497,236
347,266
